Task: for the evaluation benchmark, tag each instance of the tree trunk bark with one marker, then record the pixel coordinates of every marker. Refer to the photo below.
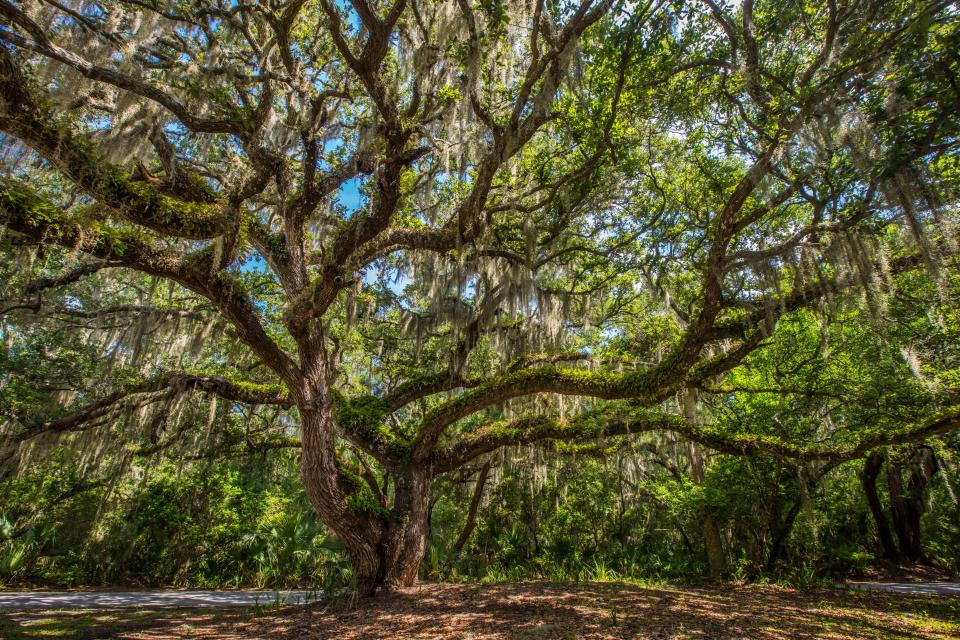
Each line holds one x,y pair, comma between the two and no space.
902,513
871,470
714,547
780,536
405,539
385,546
906,503
358,533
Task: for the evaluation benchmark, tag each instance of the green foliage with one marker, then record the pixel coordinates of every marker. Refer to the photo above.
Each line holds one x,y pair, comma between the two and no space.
221,525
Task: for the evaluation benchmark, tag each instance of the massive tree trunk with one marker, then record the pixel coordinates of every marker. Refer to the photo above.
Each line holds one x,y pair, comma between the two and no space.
385,547
871,470
405,539
318,471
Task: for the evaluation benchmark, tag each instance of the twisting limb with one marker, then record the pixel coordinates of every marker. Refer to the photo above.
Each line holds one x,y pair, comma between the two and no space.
77,273
624,420
645,386
248,393
41,221
25,117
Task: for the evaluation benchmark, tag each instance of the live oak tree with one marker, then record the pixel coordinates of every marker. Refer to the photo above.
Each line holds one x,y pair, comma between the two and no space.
426,224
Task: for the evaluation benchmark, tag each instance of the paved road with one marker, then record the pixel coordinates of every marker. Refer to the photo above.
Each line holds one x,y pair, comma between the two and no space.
126,599
938,588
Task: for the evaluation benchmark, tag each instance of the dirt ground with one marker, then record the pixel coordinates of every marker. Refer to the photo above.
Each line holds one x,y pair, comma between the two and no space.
531,611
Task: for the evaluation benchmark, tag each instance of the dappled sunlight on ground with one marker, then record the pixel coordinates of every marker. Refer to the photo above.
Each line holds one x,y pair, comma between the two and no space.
539,610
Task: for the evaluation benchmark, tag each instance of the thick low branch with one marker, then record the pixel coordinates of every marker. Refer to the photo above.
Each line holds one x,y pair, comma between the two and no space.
620,420
530,429
424,386
249,393
646,386
555,358
40,221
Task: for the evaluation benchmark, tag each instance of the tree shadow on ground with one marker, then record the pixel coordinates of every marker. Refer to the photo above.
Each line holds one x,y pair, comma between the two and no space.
542,611
538,610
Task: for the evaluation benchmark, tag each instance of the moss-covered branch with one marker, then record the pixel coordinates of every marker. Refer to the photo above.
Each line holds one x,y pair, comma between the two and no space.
646,387
41,221
237,391
28,118
362,498
574,356
623,420
424,386
363,420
